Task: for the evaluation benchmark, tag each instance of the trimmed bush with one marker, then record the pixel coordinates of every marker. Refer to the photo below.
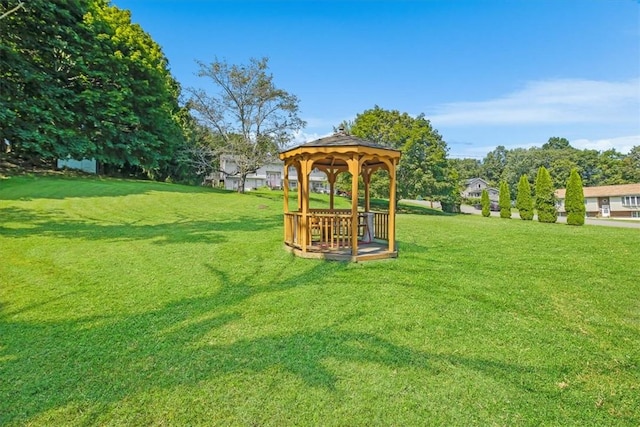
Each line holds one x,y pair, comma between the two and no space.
524,201
486,203
574,199
505,200
545,197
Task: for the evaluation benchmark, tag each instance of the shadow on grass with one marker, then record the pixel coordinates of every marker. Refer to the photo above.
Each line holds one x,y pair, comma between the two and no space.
61,187
53,223
94,362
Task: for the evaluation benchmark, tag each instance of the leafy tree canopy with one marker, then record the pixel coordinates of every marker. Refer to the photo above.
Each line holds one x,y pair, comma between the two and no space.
79,79
424,170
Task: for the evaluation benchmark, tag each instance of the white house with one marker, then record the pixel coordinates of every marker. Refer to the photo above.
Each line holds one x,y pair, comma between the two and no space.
474,186
269,175
608,201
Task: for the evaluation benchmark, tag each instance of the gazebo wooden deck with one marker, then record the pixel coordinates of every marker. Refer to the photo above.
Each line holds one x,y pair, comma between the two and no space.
340,234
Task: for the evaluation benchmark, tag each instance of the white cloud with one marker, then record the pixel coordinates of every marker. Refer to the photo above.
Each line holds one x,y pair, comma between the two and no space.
550,102
300,137
623,144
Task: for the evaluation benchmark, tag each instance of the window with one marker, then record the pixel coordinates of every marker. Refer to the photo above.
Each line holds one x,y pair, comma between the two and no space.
635,214
632,201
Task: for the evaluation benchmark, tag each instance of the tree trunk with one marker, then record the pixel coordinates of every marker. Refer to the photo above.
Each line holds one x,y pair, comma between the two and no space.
243,178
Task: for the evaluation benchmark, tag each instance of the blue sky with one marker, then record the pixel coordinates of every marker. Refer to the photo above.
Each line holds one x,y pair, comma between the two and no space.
484,72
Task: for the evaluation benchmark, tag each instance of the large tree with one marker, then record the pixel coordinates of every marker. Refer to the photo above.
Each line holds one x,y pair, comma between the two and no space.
545,197
78,79
631,165
424,170
136,113
574,199
524,201
494,163
253,118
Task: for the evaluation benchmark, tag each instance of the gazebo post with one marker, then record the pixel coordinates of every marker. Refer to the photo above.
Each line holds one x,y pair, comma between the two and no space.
299,173
366,177
392,207
331,177
305,168
285,183
354,169
285,189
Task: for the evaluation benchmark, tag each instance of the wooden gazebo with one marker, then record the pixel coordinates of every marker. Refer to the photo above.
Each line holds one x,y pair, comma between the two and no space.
342,234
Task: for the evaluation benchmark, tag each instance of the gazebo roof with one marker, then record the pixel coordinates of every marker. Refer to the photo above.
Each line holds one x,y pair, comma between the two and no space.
341,142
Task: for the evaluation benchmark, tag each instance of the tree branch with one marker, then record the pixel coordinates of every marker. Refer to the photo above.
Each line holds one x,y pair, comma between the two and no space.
9,12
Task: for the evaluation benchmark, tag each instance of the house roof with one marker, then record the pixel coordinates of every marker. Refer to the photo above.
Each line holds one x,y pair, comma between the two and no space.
605,191
470,180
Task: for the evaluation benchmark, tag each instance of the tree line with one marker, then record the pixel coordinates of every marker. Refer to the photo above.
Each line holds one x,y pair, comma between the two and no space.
559,158
543,201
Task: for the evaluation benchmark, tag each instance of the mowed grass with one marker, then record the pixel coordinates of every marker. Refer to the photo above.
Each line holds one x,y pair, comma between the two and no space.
140,303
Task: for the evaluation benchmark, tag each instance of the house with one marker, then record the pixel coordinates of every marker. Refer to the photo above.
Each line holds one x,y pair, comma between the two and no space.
269,175
608,201
474,186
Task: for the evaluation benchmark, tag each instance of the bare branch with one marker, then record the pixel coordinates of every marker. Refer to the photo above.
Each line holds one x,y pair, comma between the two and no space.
9,12
253,117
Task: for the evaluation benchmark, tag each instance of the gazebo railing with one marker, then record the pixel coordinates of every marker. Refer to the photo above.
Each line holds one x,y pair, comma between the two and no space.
381,225
332,229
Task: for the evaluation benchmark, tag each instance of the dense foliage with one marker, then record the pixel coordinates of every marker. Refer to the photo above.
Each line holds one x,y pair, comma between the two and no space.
504,200
485,203
545,197
596,168
423,171
78,79
524,201
574,199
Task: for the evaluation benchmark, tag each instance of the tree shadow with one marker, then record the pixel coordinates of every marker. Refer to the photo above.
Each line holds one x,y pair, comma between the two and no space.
20,223
97,361
61,187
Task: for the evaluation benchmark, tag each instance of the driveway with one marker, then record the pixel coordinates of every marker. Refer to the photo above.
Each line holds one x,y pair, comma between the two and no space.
624,223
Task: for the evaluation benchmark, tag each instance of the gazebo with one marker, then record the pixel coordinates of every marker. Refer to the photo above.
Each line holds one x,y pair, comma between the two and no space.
355,234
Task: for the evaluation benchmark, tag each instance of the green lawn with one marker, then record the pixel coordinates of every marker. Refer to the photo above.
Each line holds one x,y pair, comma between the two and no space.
138,303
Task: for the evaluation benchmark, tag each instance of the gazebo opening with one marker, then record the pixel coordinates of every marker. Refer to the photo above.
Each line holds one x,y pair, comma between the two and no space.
354,234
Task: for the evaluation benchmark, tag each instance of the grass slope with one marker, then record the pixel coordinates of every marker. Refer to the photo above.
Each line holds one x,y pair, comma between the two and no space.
136,303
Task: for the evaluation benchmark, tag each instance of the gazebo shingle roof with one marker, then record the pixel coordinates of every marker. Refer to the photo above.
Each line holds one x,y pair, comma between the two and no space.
341,139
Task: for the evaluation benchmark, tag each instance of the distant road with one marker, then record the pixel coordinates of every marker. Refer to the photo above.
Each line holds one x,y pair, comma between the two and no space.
624,223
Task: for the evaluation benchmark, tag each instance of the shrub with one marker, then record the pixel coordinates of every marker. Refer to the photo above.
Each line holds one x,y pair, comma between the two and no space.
486,203
574,199
545,197
524,201
504,200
